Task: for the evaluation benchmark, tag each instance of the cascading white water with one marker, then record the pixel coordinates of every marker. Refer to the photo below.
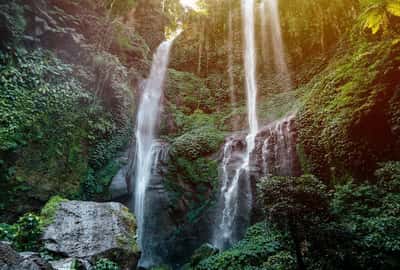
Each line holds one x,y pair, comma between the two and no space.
225,231
147,117
250,66
270,23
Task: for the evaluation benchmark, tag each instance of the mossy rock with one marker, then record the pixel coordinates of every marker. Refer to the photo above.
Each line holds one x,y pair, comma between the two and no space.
49,211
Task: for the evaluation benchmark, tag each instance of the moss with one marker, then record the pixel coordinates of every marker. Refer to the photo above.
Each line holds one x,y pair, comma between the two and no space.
345,115
197,143
129,221
49,211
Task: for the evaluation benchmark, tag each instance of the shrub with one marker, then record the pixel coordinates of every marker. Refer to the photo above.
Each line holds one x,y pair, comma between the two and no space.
7,232
280,261
259,244
388,176
106,264
371,216
28,233
197,143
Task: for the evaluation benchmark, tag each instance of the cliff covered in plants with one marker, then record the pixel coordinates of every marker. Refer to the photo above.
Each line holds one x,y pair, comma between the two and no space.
69,77
321,186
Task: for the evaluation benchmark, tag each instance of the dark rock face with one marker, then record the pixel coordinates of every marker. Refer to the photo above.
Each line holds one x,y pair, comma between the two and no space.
275,152
165,241
11,260
88,230
119,189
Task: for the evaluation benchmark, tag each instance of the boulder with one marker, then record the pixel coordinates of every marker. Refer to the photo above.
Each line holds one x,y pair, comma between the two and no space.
71,263
90,230
12,260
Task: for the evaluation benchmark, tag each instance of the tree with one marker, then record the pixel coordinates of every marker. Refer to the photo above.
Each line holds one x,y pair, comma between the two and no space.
296,205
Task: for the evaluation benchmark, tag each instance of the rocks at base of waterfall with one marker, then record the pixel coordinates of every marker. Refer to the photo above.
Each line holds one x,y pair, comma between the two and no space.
90,230
119,189
71,263
12,260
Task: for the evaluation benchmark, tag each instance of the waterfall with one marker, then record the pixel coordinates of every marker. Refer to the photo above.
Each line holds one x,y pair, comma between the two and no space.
156,205
270,24
227,232
250,66
147,117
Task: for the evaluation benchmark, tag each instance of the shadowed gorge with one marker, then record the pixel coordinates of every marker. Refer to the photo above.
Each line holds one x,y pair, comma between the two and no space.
264,136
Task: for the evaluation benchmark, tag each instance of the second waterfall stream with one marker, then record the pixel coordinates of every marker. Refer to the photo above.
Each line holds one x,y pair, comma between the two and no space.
226,231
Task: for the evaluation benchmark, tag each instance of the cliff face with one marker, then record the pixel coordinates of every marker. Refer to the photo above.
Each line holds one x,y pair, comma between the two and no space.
91,58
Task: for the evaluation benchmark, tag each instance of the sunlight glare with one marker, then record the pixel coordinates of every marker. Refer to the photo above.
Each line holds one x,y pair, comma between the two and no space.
192,4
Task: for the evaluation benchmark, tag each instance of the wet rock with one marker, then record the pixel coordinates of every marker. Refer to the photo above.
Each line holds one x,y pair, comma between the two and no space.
71,263
12,260
89,230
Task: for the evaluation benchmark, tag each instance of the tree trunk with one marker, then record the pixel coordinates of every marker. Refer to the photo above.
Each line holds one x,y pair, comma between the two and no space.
297,246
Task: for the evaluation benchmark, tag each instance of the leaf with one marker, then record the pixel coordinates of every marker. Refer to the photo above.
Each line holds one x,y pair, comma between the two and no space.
374,21
393,7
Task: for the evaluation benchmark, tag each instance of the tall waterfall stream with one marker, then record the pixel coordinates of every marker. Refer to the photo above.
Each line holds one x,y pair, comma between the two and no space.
148,150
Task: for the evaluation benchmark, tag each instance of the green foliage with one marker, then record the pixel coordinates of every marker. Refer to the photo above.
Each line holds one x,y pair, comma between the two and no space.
356,228
54,134
96,183
36,92
48,212
25,234
188,92
7,232
344,119
300,201
297,206
191,184
378,15
259,244
388,176
202,253
198,142
283,260
28,233
371,215
105,264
